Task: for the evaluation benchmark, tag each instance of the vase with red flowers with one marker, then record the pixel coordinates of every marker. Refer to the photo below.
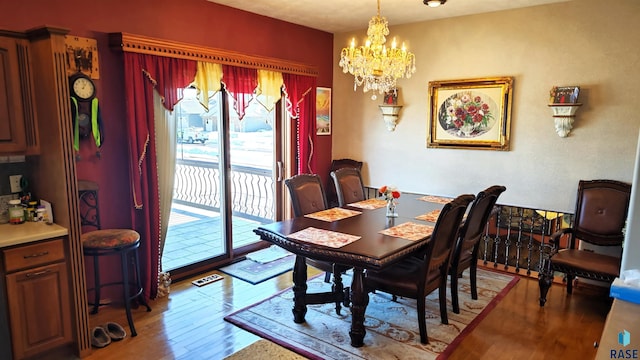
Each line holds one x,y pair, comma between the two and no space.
390,194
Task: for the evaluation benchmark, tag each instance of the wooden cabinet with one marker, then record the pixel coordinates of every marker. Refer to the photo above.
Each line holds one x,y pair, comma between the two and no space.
37,287
18,130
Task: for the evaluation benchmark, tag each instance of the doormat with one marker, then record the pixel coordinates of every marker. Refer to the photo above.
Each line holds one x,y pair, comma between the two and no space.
254,272
272,253
391,326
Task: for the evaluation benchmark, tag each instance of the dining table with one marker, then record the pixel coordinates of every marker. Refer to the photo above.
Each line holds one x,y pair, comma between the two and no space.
358,235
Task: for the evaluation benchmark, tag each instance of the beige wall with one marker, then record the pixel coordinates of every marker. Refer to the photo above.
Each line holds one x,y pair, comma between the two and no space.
581,42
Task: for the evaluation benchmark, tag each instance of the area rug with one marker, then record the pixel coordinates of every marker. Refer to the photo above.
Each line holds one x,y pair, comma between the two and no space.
255,272
392,327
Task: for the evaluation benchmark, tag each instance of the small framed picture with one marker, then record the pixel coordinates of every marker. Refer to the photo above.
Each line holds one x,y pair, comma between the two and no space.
564,94
323,111
391,97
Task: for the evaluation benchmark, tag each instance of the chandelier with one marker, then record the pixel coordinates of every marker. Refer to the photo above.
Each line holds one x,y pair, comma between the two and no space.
373,65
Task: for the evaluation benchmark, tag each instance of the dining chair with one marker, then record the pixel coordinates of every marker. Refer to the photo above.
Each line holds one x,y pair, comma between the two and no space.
348,185
332,197
307,196
465,253
599,219
417,276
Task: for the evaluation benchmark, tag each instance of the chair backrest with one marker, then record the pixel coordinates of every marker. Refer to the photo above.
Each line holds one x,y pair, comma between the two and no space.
332,197
601,211
349,186
307,194
438,250
476,221
88,203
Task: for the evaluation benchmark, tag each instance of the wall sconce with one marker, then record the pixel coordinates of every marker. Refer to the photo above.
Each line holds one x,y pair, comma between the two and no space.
390,115
563,116
564,104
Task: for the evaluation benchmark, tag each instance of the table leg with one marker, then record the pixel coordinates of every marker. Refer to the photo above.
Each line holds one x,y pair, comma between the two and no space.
359,301
299,289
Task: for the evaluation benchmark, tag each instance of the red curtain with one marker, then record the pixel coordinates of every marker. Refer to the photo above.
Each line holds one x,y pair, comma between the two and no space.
143,73
240,82
301,103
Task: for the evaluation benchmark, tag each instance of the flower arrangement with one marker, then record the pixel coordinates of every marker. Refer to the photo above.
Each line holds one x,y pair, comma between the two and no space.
389,192
466,113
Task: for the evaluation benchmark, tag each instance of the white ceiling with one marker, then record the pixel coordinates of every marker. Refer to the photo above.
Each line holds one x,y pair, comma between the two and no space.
336,16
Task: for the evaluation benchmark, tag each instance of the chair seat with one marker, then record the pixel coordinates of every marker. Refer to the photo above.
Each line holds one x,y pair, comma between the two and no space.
109,239
402,277
587,261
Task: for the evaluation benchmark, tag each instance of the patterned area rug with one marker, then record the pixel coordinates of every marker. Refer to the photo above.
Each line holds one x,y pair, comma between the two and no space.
255,272
392,328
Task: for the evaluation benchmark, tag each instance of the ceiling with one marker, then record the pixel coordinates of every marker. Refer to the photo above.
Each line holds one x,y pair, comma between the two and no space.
336,16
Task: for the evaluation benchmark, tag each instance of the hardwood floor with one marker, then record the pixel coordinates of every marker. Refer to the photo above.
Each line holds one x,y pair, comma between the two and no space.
190,325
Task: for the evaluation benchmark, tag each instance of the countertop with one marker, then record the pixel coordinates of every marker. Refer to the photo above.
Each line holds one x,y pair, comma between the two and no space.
623,317
29,232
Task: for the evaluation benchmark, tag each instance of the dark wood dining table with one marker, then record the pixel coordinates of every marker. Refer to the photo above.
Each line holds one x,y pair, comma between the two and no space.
372,251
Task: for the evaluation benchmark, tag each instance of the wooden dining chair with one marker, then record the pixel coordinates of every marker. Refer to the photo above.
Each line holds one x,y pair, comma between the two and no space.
349,186
600,216
417,276
307,196
465,253
332,197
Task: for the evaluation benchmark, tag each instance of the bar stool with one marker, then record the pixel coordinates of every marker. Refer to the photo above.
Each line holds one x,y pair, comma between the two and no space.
107,242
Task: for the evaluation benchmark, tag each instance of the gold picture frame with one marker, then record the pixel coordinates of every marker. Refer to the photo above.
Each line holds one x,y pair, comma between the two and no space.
470,114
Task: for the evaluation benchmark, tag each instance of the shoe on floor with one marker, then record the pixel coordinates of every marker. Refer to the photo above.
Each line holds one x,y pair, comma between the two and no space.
99,337
115,331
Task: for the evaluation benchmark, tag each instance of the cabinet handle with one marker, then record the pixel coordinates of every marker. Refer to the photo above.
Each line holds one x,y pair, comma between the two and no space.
39,273
36,255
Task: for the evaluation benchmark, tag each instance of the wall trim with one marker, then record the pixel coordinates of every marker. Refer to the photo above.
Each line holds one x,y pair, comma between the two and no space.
146,45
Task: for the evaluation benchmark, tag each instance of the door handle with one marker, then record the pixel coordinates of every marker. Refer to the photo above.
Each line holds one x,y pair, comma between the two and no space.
279,170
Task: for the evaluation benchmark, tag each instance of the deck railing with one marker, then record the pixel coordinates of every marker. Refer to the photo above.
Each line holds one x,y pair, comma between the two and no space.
197,184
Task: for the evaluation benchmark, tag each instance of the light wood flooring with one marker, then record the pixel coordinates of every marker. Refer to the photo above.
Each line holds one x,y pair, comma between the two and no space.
189,323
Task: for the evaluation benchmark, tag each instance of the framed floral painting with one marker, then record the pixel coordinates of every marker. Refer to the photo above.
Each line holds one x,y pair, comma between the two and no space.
470,114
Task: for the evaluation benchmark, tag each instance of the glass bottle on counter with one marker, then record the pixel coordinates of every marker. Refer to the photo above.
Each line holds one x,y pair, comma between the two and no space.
31,211
16,212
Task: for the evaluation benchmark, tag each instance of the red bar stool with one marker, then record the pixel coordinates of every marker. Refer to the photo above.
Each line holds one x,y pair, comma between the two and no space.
108,242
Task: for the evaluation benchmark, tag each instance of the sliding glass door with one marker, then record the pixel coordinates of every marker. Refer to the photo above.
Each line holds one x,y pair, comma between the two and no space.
225,182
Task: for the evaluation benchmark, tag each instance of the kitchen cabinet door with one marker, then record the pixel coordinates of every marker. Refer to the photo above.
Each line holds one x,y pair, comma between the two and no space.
18,133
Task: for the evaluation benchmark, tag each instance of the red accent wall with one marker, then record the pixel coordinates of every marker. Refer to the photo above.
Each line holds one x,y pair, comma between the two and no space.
190,21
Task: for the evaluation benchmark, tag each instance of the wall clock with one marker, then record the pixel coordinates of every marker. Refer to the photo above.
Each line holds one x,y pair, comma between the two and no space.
82,87
84,105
